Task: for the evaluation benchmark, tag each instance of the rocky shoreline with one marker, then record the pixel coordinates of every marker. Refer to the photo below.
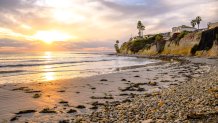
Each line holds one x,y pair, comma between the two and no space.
179,89
193,101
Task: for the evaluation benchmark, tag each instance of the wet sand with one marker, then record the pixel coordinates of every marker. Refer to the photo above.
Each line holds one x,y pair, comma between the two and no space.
65,99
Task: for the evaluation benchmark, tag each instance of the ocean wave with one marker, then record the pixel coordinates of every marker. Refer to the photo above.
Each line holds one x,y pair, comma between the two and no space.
12,71
52,63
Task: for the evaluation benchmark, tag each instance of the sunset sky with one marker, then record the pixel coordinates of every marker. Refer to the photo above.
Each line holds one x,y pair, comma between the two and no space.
85,25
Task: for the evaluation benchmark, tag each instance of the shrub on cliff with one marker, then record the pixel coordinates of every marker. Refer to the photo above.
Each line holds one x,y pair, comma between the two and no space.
177,37
137,45
143,43
116,46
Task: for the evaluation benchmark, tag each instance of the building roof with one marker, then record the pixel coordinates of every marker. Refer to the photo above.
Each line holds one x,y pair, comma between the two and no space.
184,26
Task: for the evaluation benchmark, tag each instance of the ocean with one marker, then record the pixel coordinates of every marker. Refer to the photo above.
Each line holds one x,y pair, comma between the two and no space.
46,66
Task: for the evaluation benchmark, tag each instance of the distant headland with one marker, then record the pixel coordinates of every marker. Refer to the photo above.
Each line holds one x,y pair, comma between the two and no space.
182,40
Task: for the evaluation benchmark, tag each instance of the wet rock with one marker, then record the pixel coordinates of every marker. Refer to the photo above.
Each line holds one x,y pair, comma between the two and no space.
152,83
136,76
103,80
64,121
104,97
47,110
14,118
80,107
94,107
62,91
37,95
26,111
63,102
72,111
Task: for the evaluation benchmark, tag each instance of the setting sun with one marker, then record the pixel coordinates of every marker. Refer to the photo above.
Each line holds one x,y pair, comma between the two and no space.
51,36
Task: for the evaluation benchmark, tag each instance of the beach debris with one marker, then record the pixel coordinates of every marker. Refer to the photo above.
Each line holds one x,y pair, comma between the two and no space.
80,106
37,95
15,118
195,116
20,88
94,107
26,111
48,110
31,91
72,111
135,71
97,103
124,94
123,80
134,87
152,83
137,76
140,89
103,80
61,91
63,102
104,97
64,121
93,88
126,100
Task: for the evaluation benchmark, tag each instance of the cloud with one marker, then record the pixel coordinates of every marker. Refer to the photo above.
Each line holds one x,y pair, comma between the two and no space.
98,23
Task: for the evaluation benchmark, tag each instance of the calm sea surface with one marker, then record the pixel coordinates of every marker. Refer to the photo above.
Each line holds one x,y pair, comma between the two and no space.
46,66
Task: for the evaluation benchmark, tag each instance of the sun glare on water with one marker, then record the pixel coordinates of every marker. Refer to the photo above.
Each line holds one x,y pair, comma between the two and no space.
51,36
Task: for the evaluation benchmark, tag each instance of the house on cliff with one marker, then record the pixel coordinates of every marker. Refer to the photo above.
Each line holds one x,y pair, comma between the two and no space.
182,28
212,25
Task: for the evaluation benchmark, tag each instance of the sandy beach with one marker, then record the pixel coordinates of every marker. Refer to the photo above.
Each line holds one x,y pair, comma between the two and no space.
81,98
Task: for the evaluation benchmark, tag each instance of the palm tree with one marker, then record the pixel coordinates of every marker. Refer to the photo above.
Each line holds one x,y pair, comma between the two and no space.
116,46
198,20
193,23
140,27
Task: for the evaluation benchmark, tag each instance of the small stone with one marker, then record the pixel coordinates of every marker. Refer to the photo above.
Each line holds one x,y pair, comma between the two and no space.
72,111
152,83
80,106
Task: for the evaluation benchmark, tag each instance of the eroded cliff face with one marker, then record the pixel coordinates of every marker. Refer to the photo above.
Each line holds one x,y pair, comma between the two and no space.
205,43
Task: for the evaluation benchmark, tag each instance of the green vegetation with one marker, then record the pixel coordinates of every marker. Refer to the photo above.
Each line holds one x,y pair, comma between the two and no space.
181,35
193,23
140,43
184,42
158,37
140,27
178,36
116,46
198,20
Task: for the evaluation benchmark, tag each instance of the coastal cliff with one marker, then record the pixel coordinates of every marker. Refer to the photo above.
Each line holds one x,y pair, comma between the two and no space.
199,43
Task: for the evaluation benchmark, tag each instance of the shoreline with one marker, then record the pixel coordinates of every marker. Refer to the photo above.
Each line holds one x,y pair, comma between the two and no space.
91,92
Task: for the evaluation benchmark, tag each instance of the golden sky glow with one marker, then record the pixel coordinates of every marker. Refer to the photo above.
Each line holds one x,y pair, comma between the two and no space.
92,24
51,36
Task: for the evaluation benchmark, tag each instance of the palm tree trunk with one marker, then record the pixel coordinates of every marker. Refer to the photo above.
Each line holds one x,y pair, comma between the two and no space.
139,32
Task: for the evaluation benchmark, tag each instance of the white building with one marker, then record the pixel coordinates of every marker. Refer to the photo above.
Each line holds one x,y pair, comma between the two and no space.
182,28
212,25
